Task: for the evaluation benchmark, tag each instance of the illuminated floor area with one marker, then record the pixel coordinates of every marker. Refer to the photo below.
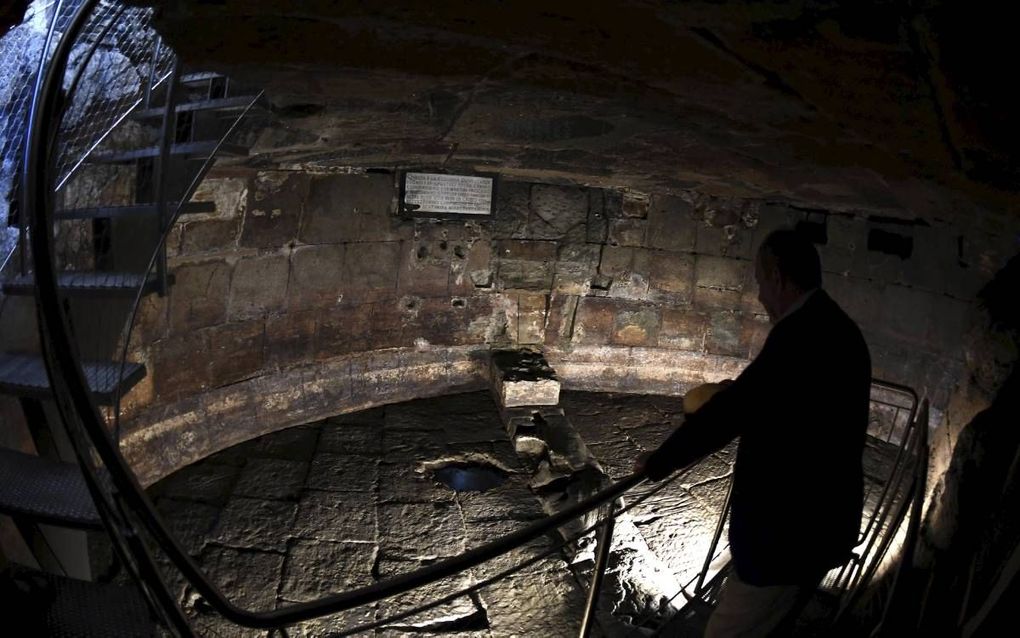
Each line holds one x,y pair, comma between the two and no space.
345,502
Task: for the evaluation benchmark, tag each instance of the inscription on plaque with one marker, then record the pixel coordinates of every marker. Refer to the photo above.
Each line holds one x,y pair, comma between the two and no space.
458,194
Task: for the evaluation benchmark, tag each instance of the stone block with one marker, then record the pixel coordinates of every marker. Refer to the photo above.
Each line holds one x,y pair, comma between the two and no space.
597,228
412,445
350,438
203,482
318,568
420,531
734,240
595,320
628,269
175,370
276,479
627,232
726,335
410,483
558,212
425,267
935,258
472,267
723,273
258,287
714,299
291,444
531,318
636,326
208,235
188,522
560,321
522,377
512,500
336,517
774,216
525,265
371,266
670,224
451,612
847,235
635,205
199,295
275,204
575,266
248,579
511,210
351,208
252,523
683,328
672,273
289,338
237,351
316,276
343,473
543,616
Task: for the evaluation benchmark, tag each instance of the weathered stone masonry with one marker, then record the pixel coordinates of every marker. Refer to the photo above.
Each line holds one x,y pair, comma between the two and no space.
305,296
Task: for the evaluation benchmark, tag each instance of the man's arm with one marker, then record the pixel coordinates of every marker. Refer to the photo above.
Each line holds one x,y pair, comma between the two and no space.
721,419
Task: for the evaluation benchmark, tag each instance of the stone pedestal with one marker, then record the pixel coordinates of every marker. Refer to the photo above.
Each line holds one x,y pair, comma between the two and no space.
522,378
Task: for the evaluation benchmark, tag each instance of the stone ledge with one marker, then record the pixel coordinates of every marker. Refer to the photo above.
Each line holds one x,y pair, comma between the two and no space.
165,438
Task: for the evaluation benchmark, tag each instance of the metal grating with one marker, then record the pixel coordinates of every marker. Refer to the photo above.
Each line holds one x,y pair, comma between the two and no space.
90,283
60,607
45,490
25,375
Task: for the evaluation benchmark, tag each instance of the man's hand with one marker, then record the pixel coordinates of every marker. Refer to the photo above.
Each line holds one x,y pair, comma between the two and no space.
700,395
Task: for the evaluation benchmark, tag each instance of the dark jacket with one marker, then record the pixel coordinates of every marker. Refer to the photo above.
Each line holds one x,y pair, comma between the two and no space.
801,412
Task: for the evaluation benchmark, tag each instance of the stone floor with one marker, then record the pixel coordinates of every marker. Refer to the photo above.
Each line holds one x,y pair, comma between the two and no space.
354,499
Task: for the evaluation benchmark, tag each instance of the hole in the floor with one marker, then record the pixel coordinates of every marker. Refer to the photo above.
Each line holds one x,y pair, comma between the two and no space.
470,477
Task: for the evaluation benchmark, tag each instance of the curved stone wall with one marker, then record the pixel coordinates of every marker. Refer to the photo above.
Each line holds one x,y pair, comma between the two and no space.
305,295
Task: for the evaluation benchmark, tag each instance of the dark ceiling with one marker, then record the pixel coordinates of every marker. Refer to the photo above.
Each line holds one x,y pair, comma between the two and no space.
889,105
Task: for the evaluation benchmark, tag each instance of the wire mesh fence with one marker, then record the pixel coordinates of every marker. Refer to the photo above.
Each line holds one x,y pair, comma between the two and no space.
113,64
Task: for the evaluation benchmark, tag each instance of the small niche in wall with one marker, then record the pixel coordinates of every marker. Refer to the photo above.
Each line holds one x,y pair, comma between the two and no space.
890,243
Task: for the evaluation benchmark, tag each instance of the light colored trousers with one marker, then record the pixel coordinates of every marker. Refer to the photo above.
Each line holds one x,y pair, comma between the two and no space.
747,611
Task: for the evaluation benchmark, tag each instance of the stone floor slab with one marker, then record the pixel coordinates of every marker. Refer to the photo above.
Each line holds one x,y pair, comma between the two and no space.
252,523
420,531
317,568
349,438
189,523
202,482
343,473
270,478
336,516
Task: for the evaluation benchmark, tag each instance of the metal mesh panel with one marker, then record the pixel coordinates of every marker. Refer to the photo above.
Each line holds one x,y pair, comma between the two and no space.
20,50
114,79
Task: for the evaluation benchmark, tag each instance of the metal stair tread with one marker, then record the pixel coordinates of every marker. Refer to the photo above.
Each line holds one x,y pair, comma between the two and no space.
99,212
46,490
25,375
199,76
51,605
194,150
85,283
215,104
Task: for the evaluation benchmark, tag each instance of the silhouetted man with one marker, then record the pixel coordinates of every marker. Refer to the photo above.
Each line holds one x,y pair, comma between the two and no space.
801,412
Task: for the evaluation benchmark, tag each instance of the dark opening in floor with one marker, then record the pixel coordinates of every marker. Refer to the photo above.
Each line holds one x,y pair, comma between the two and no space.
470,477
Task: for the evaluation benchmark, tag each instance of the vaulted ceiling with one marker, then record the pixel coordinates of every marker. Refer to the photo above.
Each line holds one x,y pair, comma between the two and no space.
894,106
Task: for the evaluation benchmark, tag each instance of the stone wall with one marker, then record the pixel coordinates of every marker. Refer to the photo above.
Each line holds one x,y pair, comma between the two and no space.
299,276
